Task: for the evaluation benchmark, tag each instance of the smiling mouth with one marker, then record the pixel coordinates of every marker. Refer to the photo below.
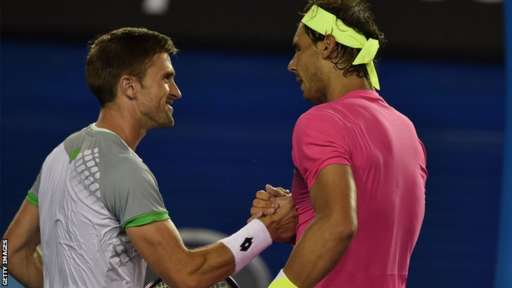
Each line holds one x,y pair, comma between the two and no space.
169,105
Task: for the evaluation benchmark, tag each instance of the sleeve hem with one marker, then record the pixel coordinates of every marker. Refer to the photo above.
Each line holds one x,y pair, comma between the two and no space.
32,198
146,218
310,181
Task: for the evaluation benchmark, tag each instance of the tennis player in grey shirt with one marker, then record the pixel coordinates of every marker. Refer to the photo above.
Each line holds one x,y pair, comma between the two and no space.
95,208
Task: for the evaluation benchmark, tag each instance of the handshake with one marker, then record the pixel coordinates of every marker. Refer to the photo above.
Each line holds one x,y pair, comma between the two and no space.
275,208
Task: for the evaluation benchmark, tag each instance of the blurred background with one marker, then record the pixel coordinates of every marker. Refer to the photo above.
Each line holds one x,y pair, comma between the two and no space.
443,67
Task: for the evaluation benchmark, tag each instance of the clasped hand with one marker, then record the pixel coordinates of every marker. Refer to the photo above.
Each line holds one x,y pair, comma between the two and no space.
277,204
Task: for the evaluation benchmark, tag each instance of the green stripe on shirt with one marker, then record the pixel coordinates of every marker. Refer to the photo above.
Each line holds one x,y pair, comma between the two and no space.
146,218
32,198
73,153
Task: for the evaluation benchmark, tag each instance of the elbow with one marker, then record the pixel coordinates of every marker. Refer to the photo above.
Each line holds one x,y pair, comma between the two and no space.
338,228
344,232
348,233
15,247
344,235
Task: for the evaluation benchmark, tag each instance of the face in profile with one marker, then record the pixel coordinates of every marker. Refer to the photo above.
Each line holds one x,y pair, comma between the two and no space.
305,65
158,91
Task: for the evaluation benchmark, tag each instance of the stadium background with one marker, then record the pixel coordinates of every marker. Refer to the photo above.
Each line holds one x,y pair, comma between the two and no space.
443,66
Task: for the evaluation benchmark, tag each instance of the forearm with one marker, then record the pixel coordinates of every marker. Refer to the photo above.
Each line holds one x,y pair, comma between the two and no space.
182,268
161,246
317,252
24,267
234,252
174,263
211,263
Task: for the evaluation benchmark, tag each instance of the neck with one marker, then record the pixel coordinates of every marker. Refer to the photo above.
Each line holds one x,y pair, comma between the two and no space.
124,125
339,87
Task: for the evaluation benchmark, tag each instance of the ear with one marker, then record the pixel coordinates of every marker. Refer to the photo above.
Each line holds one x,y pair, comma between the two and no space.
128,87
327,46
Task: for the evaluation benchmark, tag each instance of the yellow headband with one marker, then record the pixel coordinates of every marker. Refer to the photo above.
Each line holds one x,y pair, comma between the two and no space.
326,23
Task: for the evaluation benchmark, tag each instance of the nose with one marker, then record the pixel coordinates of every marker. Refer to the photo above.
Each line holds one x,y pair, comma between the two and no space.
175,91
292,66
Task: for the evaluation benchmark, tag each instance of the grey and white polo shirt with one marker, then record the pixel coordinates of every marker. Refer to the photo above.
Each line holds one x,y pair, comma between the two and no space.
89,190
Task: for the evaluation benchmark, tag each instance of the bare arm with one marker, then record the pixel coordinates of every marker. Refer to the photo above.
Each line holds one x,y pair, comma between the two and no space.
325,240
161,246
23,238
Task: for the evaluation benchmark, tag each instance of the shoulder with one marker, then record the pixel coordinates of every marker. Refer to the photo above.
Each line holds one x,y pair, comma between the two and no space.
126,169
321,117
124,177
74,142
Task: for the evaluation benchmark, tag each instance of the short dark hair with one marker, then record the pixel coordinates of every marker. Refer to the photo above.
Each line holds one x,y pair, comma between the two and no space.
355,14
122,51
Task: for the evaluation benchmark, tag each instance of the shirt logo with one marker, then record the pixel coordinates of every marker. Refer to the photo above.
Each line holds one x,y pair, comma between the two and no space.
246,244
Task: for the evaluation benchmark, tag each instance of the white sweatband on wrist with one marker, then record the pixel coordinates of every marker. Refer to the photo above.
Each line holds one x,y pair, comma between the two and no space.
282,281
248,243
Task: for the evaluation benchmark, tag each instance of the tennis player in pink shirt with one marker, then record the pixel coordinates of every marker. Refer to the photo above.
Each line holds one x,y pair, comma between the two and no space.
360,169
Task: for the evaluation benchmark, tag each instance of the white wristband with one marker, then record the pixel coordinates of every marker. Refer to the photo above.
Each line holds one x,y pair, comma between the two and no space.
248,243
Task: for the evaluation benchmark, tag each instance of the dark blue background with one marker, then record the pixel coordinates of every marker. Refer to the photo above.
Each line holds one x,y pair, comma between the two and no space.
233,136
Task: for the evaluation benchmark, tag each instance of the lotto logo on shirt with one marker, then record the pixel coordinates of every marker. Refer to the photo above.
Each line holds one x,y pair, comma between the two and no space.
5,273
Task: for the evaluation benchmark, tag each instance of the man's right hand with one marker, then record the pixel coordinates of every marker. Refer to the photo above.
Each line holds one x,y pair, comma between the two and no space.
277,211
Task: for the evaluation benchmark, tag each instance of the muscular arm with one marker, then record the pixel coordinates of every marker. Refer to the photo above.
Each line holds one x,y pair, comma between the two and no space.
325,240
161,246
23,238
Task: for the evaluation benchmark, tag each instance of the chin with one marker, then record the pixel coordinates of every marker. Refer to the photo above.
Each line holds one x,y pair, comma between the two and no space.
314,97
171,122
310,98
168,123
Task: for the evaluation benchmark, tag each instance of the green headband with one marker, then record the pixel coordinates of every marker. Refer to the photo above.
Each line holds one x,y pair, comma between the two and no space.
326,23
